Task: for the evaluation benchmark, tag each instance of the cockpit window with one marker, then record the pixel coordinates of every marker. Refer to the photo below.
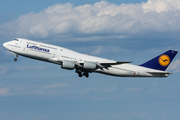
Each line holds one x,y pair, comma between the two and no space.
16,39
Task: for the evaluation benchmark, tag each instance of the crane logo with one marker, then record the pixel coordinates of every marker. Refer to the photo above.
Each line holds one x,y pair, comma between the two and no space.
164,60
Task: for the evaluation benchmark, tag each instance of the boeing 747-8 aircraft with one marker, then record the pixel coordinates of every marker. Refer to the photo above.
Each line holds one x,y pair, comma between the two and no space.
85,64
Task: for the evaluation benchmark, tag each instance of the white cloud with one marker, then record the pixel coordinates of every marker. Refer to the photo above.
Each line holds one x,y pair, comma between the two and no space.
108,49
161,5
64,20
96,50
3,69
174,66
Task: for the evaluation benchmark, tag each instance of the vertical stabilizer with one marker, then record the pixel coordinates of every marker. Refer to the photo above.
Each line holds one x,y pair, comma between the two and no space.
162,61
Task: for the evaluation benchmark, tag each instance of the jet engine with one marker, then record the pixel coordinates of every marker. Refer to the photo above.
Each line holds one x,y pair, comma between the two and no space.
89,65
68,65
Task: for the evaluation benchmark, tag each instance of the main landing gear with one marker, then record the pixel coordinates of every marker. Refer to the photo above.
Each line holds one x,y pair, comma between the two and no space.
15,59
86,74
79,72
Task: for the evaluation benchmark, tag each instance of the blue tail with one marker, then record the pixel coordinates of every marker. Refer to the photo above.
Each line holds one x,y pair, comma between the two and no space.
162,61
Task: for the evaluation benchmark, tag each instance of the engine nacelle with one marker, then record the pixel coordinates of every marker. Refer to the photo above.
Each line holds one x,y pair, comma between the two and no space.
68,65
89,66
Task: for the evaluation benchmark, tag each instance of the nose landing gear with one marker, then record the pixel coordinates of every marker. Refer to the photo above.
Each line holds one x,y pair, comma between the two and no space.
15,59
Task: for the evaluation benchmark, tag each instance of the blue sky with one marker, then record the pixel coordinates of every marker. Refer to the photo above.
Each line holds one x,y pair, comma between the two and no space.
118,29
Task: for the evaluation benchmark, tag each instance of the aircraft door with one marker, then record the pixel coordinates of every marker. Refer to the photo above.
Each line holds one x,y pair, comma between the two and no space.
23,45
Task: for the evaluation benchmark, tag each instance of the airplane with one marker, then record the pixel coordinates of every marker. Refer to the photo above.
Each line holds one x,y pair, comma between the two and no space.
83,64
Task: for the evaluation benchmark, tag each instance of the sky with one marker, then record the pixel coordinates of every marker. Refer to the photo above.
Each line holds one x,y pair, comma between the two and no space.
122,30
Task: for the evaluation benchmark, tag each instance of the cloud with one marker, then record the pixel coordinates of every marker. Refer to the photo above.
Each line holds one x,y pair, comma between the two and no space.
174,66
161,5
97,50
105,49
5,91
111,20
3,69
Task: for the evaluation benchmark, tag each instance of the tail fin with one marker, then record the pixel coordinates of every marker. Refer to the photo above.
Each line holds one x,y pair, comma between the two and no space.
162,61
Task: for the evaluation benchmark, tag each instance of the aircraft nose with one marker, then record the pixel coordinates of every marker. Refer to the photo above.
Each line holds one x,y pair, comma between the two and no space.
5,44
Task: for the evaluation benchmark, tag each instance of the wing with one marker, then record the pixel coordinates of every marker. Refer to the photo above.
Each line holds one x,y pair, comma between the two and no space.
106,64
99,64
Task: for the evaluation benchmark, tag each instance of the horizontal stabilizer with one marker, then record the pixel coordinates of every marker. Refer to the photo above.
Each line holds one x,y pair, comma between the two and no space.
159,73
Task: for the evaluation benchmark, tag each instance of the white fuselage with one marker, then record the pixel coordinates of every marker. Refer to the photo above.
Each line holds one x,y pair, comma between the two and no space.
56,54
